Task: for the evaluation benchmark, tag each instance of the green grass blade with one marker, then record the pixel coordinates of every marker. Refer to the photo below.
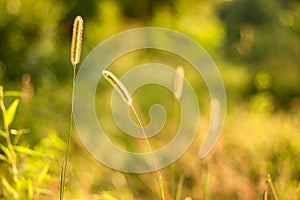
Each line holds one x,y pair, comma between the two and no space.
25,150
9,188
7,153
3,134
2,157
10,113
30,189
12,94
42,175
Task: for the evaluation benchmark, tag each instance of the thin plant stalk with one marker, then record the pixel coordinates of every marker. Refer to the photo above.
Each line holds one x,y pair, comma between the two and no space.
272,187
179,188
118,85
65,162
157,171
75,59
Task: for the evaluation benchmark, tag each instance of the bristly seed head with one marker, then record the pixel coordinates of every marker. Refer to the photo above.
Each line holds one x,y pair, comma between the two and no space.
76,40
118,85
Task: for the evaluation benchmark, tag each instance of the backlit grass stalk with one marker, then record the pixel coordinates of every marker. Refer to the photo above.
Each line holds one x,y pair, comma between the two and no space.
119,86
75,59
269,180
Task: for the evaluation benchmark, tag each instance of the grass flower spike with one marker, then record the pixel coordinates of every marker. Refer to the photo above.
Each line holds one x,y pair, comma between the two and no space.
76,40
118,85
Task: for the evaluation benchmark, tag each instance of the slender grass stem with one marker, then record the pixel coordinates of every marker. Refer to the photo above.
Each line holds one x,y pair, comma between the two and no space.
272,187
65,162
75,59
157,171
120,87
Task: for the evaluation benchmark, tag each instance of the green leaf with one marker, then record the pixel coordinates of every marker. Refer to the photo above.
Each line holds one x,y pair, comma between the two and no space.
28,151
9,188
10,113
42,175
12,94
30,189
3,134
7,153
2,157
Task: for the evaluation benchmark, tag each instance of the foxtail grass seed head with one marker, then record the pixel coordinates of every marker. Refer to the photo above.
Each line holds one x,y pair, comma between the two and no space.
118,85
76,40
178,82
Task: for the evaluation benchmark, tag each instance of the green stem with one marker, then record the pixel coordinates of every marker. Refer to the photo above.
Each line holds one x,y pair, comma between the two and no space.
65,162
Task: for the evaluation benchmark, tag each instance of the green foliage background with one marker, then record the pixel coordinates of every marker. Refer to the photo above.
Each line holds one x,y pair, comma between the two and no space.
255,44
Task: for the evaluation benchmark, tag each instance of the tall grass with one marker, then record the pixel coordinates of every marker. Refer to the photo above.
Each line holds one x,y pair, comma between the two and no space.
75,59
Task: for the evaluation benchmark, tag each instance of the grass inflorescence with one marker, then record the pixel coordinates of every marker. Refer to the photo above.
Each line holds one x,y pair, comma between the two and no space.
75,59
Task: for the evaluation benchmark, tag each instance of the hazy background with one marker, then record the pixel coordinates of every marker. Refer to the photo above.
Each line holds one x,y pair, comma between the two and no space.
254,43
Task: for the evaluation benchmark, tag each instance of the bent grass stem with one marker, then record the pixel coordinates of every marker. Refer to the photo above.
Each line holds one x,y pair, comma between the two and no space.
122,90
157,171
